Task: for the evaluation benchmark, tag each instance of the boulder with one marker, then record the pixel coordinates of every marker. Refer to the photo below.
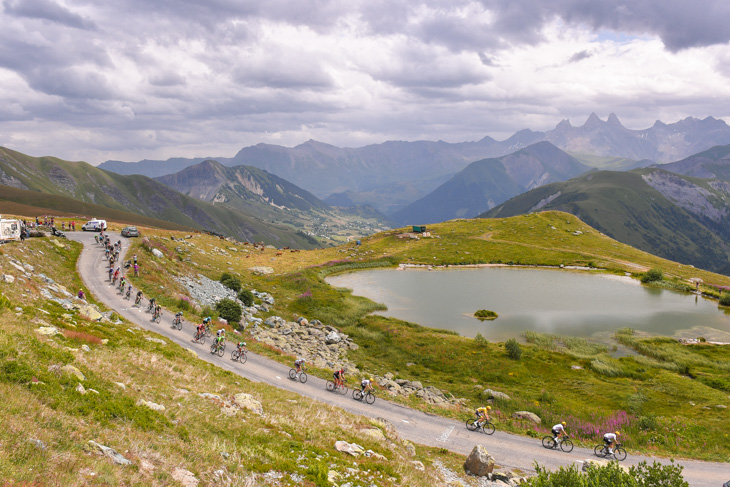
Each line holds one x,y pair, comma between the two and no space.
479,462
415,385
410,449
88,311
152,405
332,337
589,463
387,427
261,270
47,330
247,401
349,448
7,278
418,465
110,452
527,415
157,253
489,393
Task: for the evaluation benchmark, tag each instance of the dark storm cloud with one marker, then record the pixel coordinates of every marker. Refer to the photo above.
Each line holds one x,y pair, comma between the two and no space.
46,10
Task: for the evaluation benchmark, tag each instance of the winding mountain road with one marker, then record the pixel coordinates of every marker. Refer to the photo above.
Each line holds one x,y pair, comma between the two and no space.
509,450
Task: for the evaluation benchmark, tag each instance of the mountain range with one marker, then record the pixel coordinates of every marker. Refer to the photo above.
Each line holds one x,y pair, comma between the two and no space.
81,182
381,174
486,183
677,217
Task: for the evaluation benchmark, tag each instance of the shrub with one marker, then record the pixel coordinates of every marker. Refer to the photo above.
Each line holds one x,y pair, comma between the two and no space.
652,275
480,340
246,297
642,475
183,304
725,299
230,281
229,310
514,351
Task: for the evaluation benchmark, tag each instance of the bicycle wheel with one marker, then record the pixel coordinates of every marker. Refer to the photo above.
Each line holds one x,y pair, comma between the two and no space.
330,386
234,354
488,428
202,340
302,377
548,442
357,395
599,451
471,424
292,373
159,318
212,348
221,350
242,357
370,398
179,324
566,446
620,454
343,389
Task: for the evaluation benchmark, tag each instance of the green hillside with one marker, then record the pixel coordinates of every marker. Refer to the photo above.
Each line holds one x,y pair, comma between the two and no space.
138,194
693,229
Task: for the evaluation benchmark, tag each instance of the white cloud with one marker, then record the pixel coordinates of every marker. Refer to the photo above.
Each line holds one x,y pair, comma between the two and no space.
133,80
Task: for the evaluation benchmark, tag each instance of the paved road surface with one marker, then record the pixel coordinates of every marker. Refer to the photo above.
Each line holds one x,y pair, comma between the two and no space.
509,450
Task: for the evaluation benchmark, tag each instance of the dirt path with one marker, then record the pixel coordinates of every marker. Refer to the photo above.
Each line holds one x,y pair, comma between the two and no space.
510,450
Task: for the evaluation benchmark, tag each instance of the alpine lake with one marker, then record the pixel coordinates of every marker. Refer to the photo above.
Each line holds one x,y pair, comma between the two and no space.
581,303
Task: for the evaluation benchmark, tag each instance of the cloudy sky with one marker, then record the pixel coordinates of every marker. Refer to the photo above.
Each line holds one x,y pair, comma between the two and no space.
133,79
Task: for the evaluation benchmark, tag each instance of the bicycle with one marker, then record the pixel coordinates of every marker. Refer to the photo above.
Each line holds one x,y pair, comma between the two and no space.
339,387
485,425
565,444
128,294
218,349
618,453
138,301
150,306
238,355
157,316
208,331
359,396
199,337
177,322
294,375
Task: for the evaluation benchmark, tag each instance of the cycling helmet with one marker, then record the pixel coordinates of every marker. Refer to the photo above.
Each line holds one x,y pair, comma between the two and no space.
563,423
244,344
371,379
489,408
618,434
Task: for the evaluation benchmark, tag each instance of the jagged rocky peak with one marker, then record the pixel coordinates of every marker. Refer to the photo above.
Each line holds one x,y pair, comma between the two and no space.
613,120
563,125
593,121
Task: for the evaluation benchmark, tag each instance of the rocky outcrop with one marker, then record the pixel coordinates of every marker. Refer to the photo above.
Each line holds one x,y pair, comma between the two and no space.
403,387
527,415
109,452
479,462
490,394
247,401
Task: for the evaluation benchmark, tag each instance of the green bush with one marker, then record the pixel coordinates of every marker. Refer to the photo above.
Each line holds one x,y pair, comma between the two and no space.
230,281
725,299
480,340
514,351
652,275
485,314
246,297
229,310
642,475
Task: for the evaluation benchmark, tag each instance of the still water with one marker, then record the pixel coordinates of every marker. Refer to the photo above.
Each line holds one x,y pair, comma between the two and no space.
575,303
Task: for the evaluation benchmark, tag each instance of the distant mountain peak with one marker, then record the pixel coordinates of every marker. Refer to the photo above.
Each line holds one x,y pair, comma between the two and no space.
613,120
593,121
564,125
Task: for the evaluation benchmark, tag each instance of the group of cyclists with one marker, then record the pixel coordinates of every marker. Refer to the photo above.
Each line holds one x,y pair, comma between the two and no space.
610,439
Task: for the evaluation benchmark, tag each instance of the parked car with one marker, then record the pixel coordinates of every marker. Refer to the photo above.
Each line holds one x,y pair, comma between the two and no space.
94,225
130,232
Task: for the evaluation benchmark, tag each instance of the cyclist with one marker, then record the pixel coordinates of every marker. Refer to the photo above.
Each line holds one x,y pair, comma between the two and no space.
366,384
299,364
152,304
339,377
241,347
220,333
483,413
558,432
111,271
206,320
178,315
138,299
219,341
200,331
129,291
610,439
122,282
116,273
158,311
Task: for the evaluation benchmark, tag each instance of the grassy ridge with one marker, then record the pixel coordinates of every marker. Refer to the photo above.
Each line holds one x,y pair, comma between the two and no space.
47,422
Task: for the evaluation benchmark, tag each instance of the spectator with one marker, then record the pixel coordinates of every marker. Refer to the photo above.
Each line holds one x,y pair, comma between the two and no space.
136,268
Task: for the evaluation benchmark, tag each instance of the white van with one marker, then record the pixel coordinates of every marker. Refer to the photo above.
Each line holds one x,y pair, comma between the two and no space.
9,229
94,225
